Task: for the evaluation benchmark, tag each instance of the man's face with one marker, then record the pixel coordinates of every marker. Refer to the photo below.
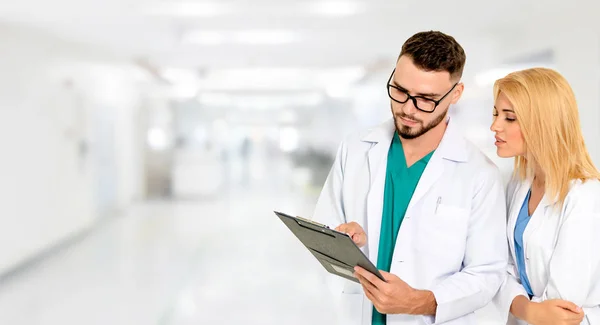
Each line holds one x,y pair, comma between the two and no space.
411,122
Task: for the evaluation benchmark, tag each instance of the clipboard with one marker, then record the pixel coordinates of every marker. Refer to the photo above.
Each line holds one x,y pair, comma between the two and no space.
333,249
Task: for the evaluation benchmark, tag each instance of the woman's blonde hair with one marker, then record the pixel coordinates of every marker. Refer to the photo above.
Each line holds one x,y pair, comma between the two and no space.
547,113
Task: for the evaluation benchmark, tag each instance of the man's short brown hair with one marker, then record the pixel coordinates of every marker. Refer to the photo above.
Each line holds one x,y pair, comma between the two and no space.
435,51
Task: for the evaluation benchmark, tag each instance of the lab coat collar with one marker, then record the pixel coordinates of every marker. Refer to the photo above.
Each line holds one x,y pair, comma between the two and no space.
517,200
524,188
452,147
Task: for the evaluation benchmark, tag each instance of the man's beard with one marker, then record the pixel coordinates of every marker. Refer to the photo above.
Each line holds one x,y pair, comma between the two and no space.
411,133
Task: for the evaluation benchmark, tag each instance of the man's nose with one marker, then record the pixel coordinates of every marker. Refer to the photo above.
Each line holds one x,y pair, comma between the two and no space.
409,107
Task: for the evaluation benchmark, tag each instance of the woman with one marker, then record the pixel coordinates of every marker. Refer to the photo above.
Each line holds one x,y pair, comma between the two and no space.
553,203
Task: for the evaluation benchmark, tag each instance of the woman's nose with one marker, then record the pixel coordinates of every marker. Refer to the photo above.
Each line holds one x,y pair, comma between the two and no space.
495,127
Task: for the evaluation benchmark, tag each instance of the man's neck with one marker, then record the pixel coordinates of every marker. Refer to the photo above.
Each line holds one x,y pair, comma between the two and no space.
417,148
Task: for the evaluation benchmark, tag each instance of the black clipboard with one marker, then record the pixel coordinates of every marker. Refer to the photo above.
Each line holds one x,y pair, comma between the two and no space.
333,249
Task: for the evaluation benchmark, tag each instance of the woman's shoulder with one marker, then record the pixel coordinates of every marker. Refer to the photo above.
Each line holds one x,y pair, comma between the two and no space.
588,186
586,192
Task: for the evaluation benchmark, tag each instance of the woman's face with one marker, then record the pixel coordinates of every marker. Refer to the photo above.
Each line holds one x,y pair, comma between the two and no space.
509,139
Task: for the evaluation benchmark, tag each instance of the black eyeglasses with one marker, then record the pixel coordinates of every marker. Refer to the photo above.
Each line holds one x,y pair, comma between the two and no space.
424,104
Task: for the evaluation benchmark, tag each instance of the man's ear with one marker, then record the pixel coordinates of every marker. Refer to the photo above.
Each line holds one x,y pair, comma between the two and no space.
457,92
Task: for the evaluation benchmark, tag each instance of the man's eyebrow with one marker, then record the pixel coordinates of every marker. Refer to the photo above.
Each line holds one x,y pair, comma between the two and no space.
418,94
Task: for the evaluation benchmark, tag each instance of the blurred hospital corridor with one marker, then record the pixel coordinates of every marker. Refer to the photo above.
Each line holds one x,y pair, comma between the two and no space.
227,260
145,144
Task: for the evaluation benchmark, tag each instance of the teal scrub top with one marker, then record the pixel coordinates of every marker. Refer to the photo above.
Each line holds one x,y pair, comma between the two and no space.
400,184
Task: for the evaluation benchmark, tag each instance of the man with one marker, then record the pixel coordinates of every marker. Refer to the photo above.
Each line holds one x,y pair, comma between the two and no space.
424,204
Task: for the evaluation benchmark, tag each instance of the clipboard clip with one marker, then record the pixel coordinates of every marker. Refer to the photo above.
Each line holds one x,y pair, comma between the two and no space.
314,223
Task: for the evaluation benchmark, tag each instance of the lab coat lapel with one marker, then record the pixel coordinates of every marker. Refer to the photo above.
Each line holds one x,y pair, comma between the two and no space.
381,138
433,171
515,207
451,148
538,215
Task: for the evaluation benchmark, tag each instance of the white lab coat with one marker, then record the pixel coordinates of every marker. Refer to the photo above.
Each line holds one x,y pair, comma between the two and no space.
561,247
452,238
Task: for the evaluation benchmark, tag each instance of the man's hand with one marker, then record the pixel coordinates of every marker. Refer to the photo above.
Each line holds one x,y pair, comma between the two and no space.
555,312
355,231
394,296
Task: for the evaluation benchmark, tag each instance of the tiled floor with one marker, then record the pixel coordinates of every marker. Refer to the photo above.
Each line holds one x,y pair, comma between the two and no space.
220,261
214,261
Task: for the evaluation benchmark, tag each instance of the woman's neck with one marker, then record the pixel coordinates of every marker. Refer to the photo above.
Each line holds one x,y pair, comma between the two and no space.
539,179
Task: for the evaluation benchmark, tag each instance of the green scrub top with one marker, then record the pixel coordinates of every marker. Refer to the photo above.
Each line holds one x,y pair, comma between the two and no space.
400,184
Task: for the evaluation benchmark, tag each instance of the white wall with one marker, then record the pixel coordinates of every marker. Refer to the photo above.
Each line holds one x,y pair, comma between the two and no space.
117,92
47,186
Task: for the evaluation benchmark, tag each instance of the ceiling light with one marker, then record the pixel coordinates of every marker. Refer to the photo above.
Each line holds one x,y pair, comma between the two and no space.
336,8
282,78
204,38
265,37
180,76
260,101
188,9
252,37
289,139
157,138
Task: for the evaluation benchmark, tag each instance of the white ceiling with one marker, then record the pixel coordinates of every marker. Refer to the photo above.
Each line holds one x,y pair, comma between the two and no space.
370,37
373,33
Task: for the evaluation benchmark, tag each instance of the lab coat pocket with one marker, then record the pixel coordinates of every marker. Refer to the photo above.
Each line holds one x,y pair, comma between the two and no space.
450,221
450,211
443,232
